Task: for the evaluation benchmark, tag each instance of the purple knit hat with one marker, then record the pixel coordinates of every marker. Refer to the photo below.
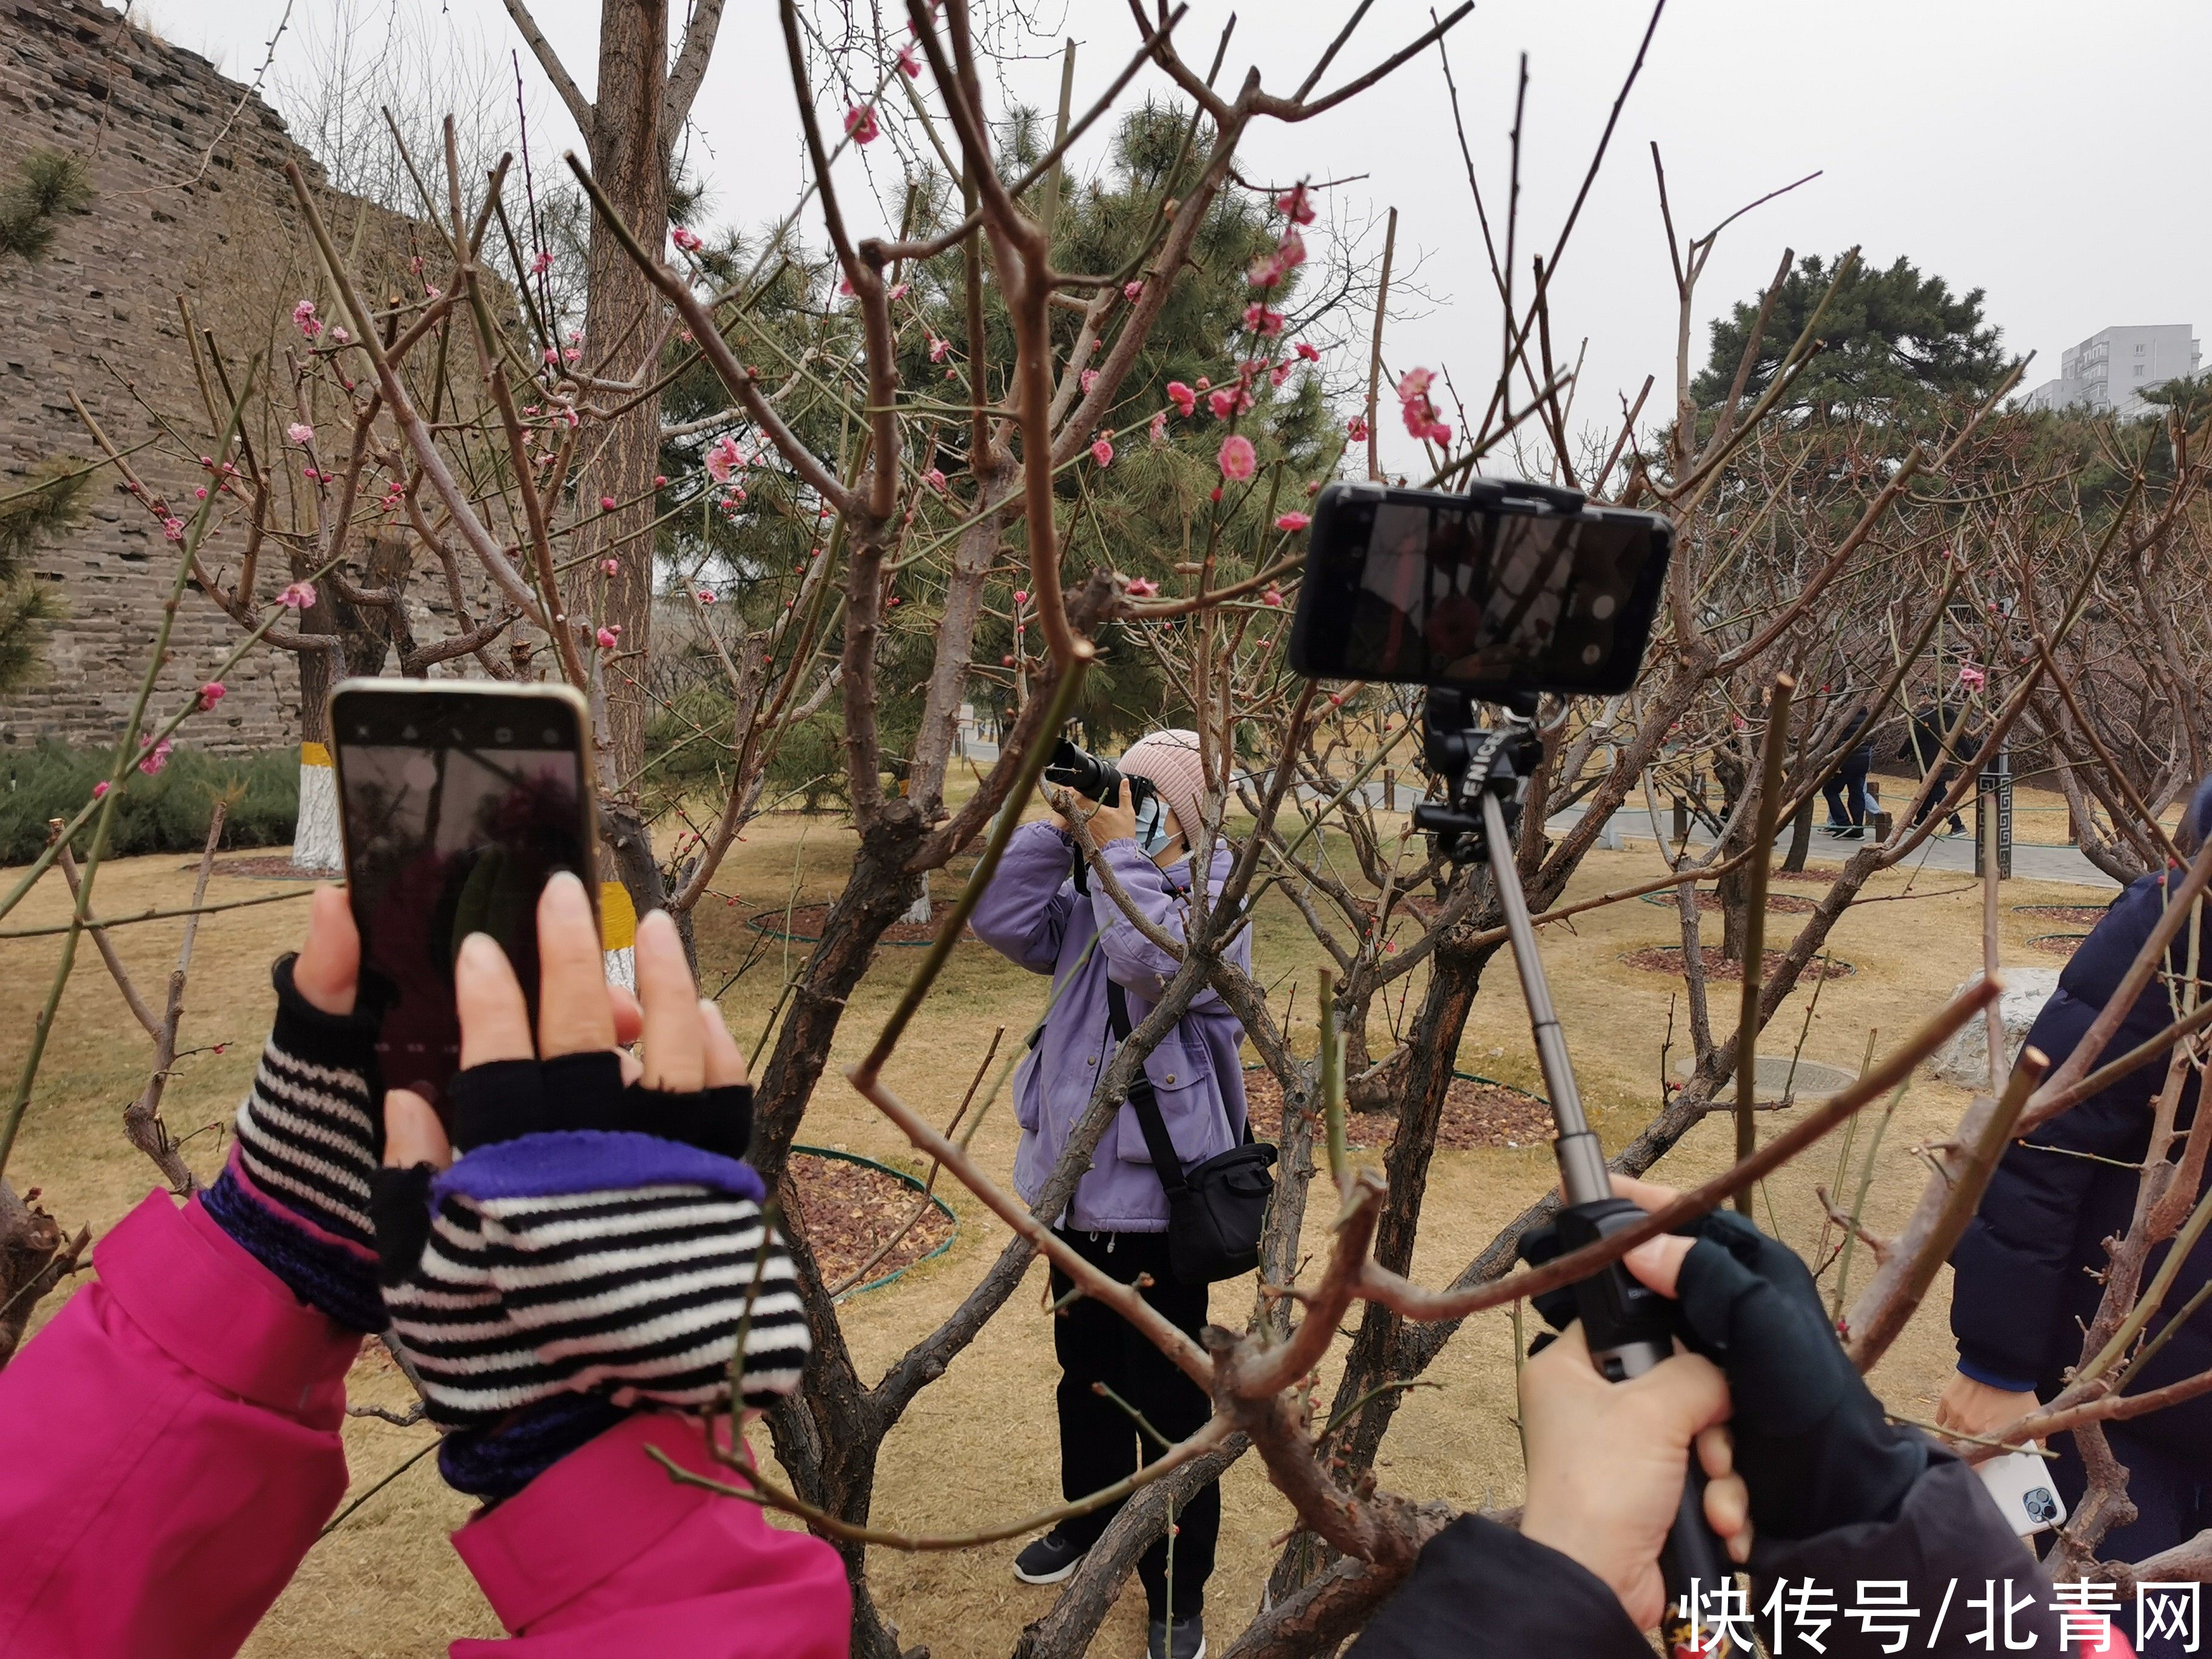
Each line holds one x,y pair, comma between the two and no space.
1171,759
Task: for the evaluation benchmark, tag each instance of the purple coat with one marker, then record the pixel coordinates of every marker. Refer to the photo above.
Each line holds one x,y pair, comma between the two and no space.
1032,915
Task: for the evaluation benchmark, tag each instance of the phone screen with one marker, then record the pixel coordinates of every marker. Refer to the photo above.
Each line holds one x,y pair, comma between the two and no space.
1422,588
457,808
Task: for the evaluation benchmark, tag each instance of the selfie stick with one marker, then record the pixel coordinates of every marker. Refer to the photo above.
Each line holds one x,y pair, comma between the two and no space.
1626,1324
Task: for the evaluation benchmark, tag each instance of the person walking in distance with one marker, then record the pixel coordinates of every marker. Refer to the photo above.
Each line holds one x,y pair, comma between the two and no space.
1042,911
1845,789
1938,738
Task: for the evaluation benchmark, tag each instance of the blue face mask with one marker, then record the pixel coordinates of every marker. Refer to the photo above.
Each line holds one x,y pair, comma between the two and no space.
1152,825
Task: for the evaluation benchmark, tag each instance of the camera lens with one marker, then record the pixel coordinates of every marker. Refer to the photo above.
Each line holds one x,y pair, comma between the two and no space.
407,734
552,739
504,734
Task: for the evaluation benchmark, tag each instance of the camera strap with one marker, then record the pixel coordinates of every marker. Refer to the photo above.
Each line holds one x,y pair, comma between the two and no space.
1165,1164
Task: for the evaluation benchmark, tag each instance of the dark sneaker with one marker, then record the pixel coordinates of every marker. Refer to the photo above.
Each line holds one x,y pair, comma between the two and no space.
1184,1639
1834,829
1850,832
1049,1559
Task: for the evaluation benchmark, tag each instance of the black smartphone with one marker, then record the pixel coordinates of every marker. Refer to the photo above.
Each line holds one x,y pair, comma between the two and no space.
458,801
1508,586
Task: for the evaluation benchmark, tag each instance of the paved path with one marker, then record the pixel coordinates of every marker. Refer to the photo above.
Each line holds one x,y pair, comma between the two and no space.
2060,864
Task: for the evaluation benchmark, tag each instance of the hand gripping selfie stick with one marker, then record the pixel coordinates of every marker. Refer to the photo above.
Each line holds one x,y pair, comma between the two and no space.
1626,1324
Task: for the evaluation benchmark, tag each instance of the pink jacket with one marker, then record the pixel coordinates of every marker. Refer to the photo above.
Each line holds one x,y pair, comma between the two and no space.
169,1450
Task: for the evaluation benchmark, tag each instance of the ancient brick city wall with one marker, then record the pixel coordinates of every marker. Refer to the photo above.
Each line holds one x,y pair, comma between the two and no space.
189,201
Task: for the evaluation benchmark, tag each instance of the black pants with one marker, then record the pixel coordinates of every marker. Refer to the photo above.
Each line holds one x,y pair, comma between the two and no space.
1098,1442
1945,777
1846,795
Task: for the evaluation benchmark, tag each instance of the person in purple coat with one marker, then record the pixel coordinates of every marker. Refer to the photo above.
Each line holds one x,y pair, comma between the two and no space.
1034,914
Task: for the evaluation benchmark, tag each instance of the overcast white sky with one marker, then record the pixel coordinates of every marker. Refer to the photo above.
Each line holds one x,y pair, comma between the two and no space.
2042,151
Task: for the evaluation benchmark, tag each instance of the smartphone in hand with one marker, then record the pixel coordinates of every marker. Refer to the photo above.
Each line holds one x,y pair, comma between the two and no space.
457,800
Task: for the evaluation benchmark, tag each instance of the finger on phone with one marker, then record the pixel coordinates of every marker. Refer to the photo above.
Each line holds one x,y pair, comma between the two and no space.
412,1133
726,1062
328,968
1658,1261
494,1020
675,1048
573,1014
629,1013
1645,1195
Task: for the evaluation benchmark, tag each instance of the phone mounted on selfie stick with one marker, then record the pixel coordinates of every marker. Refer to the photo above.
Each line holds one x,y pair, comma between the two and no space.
1498,595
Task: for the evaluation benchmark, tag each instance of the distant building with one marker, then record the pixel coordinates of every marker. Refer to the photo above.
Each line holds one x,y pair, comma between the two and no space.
2109,372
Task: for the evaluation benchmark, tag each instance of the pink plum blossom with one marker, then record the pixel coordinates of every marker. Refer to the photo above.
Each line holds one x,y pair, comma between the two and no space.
722,458
1273,596
705,596
1295,203
611,567
1159,430
607,637
300,432
685,238
860,123
542,263
1184,400
1088,379
174,528
1102,452
1021,597
935,479
1260,320
937,349
607,503
99,789
1237,458
298,596
1132,290
212,693
155,757
1142,587
1356,428
1293,521
1308,351
910,64
303,314
1972,678
899,290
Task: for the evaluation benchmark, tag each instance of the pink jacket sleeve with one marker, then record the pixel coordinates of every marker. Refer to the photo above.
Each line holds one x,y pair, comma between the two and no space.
169,1450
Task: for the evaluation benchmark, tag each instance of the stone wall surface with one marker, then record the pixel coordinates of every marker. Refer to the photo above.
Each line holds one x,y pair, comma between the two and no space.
190,205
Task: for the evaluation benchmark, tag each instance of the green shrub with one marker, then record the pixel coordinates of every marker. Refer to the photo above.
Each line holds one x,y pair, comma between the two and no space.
167,813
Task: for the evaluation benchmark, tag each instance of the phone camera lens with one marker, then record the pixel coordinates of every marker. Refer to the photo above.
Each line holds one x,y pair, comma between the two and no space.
407,734
504,734
552,739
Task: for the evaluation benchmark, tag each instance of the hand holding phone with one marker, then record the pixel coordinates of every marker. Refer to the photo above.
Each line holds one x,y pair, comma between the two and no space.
459,800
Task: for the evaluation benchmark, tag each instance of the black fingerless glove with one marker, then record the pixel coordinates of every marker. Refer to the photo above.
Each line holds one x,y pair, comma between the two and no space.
592,1239
1811,1440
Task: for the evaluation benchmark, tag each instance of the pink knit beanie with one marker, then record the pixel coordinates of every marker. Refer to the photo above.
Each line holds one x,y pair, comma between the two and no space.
1171,759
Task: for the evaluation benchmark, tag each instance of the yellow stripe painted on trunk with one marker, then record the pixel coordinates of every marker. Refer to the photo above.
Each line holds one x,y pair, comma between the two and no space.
314,754
617,917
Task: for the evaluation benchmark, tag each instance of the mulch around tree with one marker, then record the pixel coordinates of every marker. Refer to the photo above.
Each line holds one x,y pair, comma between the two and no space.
2057,945
1475,1115
268,866
2072,915
848,1210
1709,902
1825,874
805,922
1668,959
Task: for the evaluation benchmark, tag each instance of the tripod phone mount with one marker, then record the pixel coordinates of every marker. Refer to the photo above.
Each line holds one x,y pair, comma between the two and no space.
1487,770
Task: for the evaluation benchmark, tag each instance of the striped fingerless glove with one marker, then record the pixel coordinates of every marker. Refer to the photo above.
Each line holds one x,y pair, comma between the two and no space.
593,1238
295,1192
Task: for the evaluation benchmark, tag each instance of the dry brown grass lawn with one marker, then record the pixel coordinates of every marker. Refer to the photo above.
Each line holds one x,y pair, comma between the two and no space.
979,1445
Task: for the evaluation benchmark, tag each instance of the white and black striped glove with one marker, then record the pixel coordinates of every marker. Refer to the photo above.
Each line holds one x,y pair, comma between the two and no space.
295,1192
593,1237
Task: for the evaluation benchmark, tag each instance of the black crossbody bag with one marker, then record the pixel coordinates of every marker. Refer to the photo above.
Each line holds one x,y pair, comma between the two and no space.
1216,1210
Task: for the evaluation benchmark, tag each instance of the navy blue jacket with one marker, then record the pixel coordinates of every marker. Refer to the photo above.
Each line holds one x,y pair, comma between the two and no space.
2023,1290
